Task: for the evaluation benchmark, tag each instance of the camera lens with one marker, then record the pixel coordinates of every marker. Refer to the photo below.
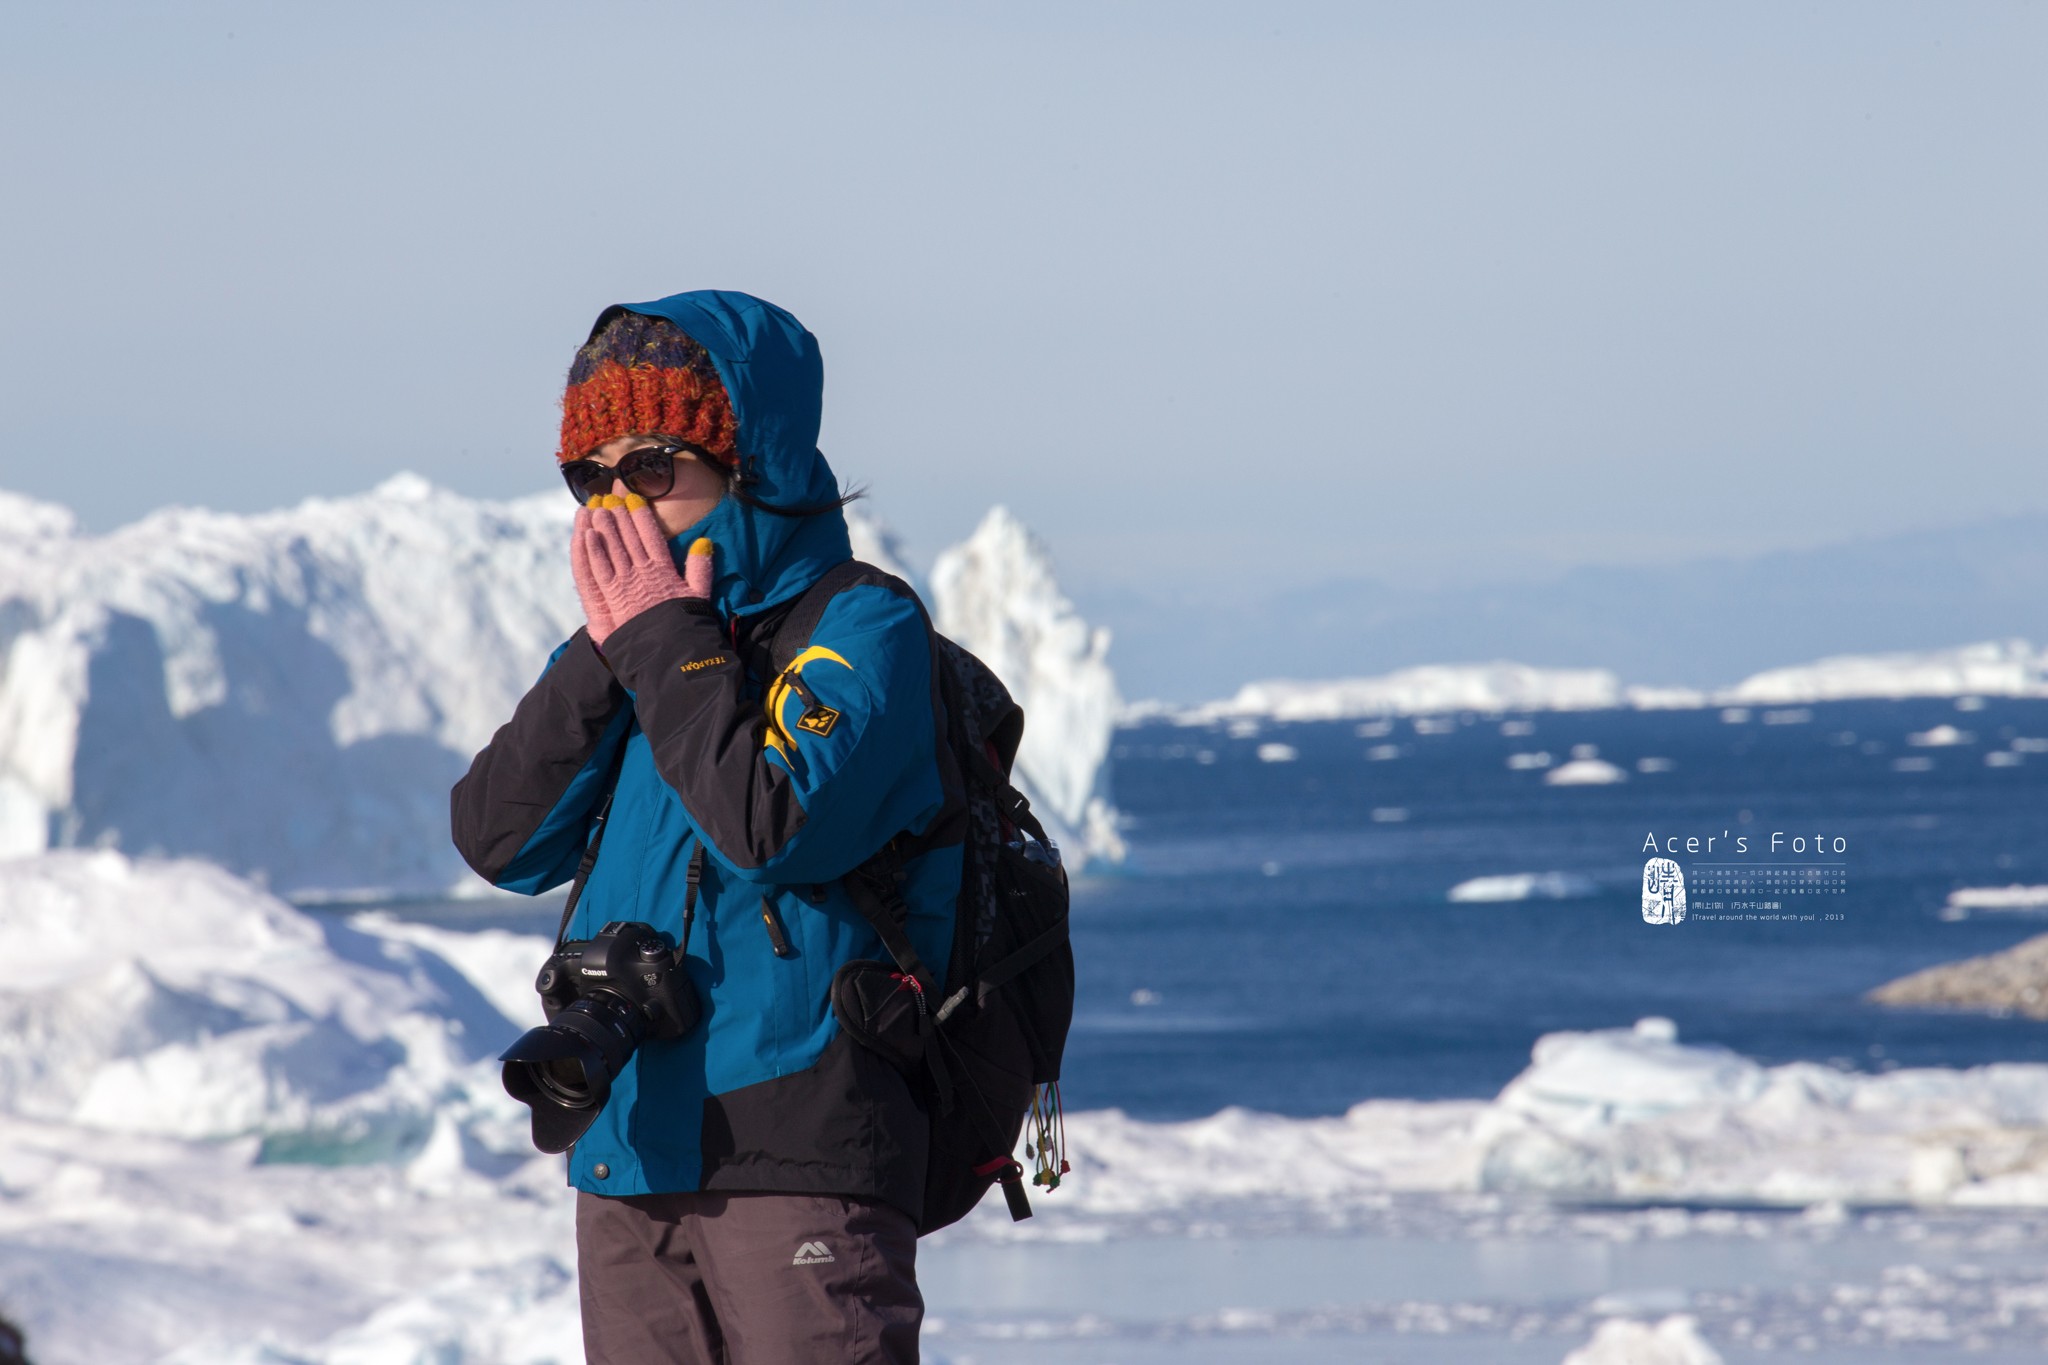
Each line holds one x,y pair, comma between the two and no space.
563,1071
564,1083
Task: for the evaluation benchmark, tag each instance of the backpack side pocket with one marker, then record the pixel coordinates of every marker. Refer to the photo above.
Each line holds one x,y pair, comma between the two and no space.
883,1010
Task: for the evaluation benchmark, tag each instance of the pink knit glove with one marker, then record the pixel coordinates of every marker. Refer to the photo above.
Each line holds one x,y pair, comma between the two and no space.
595,608
622,565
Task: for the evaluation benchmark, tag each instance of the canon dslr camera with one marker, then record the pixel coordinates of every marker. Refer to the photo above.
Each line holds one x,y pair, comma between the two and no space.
604,996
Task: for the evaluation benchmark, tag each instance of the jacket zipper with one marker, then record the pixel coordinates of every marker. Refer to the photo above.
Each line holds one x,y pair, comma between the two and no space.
778,939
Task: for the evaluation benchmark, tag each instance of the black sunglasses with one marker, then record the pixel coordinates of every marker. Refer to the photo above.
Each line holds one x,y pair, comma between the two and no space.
649,471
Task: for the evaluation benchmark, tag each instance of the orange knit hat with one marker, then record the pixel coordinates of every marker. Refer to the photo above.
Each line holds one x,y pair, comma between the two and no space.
644,375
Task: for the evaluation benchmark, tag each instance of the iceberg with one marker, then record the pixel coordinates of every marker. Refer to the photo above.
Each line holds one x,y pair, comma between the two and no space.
1433,689
1998,668
875,543
291,694
996,595
2006,668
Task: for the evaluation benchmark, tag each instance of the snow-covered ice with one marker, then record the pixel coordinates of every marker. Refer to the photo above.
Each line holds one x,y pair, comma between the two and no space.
172,1000
875,543
996,594
1620,1115
1994,668
282,1138
260,1127
291,694
1999,668
1494,687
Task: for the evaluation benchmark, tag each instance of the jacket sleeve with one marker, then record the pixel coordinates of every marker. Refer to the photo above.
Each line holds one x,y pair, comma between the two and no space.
521,816
790,787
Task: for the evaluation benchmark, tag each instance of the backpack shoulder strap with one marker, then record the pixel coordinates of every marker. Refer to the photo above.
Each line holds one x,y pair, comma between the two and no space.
793,632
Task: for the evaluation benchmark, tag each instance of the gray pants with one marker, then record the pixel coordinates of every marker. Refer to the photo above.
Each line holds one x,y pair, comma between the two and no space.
746,1279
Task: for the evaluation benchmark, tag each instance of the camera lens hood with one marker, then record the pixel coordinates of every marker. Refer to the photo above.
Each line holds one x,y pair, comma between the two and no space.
557,1121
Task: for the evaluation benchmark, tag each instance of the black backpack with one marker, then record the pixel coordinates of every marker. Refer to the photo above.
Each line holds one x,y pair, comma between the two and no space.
982,1045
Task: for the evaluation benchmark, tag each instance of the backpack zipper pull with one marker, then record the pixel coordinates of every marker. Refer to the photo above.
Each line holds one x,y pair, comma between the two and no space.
907,982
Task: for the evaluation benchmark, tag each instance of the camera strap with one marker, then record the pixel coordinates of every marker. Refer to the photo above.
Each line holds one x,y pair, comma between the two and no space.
692,878
589,861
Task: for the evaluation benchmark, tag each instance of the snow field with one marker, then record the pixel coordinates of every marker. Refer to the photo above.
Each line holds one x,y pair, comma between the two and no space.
285,1134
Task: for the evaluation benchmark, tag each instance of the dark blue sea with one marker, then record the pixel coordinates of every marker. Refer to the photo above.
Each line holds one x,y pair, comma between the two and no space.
1282,937
1273,944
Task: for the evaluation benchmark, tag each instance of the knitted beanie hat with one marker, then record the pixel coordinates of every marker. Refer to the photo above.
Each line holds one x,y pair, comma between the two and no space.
643,374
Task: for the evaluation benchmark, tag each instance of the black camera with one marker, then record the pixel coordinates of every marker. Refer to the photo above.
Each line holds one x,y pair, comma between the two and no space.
604,996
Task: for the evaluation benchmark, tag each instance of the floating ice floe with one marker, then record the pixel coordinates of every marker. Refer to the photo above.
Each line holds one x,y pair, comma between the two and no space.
1940,737
2013,897
1584,772
1522,886
1674,1340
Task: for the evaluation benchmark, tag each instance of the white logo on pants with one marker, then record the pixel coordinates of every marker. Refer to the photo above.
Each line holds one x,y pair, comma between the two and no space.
812,1253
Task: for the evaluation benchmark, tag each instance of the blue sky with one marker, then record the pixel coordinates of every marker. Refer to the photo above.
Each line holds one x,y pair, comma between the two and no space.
1423,293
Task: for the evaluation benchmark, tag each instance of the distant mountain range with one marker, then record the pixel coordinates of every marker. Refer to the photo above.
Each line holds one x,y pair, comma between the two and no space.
1704,624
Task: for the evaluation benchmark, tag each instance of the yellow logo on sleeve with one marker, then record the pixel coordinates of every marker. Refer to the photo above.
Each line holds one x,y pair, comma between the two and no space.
819,720
816,719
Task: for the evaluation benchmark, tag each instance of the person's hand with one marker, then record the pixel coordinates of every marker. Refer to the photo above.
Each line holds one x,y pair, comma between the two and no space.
622,565
596,609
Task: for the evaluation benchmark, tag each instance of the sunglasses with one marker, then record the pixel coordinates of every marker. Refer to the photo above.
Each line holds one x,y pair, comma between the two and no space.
649,471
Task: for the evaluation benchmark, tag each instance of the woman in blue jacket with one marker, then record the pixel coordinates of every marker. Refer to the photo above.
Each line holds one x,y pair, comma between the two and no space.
749,1192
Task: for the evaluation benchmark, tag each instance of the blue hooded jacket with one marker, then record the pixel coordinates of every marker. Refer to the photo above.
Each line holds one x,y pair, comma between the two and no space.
767,1093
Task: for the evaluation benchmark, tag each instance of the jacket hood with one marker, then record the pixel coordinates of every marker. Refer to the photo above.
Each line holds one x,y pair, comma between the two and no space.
776,380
